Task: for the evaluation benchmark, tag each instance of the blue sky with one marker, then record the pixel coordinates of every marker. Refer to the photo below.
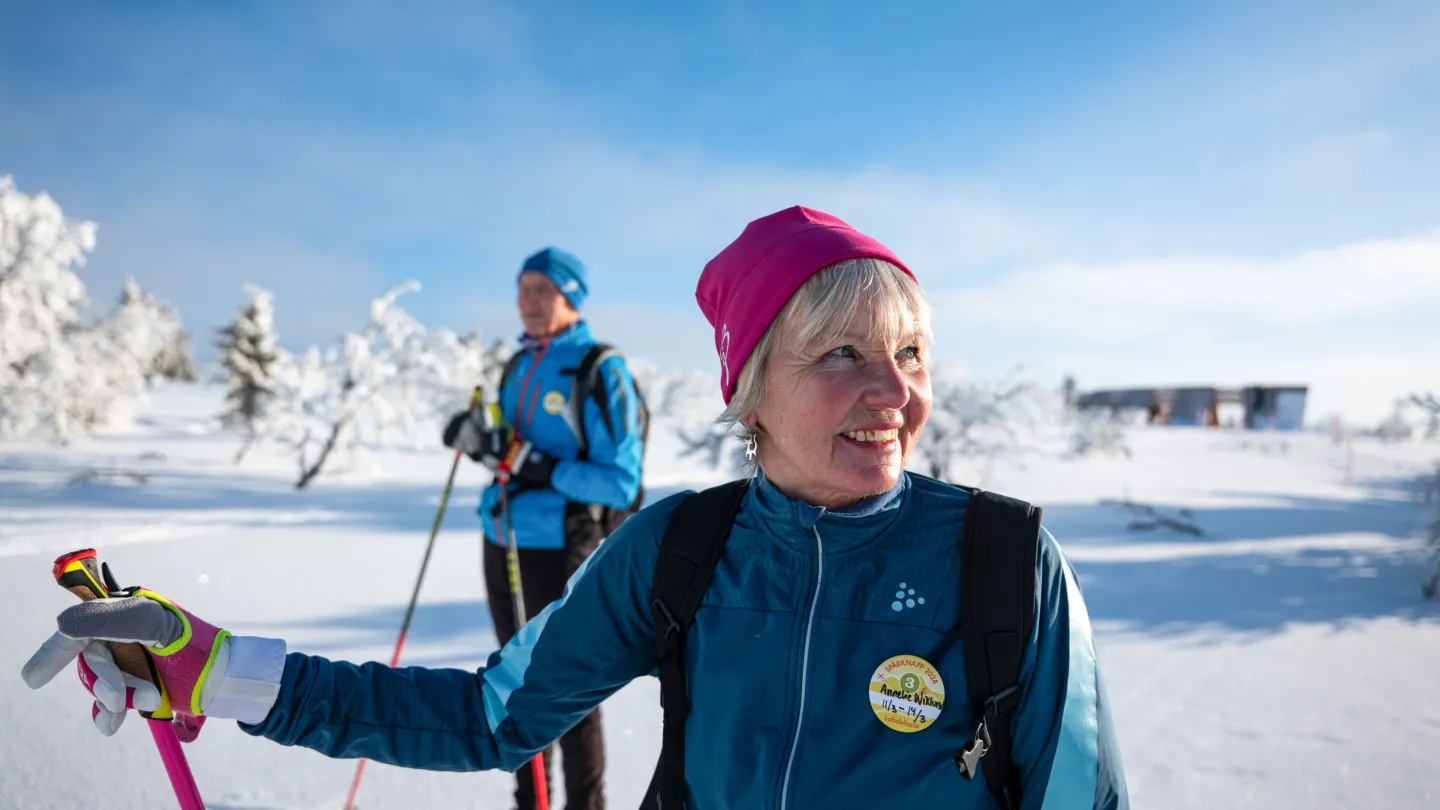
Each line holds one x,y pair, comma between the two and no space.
1133,193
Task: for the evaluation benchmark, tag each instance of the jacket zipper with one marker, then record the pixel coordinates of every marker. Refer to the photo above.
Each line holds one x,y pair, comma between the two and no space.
520,415
804,666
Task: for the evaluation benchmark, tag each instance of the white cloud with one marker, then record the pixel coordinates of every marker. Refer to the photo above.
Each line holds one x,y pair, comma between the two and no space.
1360,323
1374,279
1329,157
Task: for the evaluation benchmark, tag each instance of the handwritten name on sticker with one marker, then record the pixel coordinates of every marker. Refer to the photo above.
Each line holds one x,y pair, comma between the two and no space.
907,693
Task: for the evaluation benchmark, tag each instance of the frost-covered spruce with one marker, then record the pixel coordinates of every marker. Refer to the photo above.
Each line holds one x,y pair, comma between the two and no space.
248,355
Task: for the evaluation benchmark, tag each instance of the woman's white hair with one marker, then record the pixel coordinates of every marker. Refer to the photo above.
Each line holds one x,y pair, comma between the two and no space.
820,312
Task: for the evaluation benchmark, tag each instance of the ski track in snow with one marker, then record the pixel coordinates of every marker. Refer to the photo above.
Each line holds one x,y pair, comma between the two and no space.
1284,658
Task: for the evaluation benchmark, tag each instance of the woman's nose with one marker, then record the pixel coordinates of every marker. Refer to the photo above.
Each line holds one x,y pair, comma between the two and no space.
886,386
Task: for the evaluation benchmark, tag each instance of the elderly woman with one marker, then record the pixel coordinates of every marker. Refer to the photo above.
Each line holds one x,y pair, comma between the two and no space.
826,665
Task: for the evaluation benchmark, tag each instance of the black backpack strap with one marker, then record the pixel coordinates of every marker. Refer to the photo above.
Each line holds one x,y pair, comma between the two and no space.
584,387
689,552
997,611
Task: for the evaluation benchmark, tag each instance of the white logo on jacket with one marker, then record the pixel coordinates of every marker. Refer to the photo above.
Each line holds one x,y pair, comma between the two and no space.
725,355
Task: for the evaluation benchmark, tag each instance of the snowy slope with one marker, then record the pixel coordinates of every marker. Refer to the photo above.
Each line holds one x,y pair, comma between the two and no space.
1283,658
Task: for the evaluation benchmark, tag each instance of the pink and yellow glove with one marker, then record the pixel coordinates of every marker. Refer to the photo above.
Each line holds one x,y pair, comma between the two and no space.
186,672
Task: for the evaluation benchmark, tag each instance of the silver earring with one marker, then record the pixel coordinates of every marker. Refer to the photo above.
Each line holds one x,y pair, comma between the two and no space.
752,445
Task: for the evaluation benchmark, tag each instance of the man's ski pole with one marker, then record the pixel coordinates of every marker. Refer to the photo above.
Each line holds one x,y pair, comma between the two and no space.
517,598
80,573
415,594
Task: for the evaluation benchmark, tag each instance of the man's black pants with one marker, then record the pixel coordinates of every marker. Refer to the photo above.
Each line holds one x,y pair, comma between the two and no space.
543,574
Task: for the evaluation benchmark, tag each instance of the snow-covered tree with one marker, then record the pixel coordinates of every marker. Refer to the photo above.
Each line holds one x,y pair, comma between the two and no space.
248,355
685,397
39,291
721,447
148,333
392,382
1098,431
979,420
1069,392
1396,427
174,362
474,362
43,355
58,374
684,405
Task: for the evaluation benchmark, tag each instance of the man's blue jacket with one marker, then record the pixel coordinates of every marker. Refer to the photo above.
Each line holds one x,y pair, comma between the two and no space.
535,400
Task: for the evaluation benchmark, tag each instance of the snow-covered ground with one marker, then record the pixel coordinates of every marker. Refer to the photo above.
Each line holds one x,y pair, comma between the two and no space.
1283,658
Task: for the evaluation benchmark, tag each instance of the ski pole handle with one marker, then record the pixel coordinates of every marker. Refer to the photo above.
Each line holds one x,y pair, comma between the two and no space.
487,413
81,573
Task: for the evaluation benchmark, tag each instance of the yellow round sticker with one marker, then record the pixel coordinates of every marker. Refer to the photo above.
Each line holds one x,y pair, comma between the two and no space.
554,403
907,694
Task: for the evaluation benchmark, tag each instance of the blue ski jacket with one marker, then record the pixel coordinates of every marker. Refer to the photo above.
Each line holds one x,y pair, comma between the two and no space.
806,608
535,400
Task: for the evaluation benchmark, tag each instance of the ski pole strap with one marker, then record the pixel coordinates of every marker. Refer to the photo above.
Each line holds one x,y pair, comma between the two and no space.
998,550
689,553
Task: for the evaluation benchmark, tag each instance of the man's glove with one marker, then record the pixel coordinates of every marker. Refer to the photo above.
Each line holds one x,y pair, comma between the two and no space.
527,463
467,434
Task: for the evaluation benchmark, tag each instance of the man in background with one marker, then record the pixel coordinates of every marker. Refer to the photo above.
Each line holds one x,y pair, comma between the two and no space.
571,440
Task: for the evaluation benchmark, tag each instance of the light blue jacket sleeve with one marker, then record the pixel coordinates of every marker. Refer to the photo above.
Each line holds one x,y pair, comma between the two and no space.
558,668
1064,742
611,476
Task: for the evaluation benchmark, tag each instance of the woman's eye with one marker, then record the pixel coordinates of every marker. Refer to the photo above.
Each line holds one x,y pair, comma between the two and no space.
843,351
910,353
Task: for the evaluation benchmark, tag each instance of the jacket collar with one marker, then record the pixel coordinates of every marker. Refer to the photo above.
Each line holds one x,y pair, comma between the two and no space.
794,520
577,335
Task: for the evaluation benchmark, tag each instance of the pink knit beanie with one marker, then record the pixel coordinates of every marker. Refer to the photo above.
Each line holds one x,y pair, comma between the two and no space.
745,287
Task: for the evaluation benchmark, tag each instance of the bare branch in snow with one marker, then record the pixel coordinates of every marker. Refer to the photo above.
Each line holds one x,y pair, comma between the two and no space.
394,381
717,445
1145,517
1429,404
1099,431
1429,495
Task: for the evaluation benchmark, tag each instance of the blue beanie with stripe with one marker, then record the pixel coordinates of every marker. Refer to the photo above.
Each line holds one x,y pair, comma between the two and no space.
563,268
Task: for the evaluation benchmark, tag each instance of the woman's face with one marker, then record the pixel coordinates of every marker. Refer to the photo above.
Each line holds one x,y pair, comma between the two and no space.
839,423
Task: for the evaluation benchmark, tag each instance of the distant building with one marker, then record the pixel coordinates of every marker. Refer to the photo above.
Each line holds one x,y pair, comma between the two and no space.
1256,407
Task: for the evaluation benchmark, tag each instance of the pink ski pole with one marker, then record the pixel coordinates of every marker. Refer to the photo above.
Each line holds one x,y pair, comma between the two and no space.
176,765
78,572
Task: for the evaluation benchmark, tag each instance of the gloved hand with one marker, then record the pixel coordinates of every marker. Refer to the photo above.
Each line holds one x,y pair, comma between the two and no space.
469,435
191,657
528,463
